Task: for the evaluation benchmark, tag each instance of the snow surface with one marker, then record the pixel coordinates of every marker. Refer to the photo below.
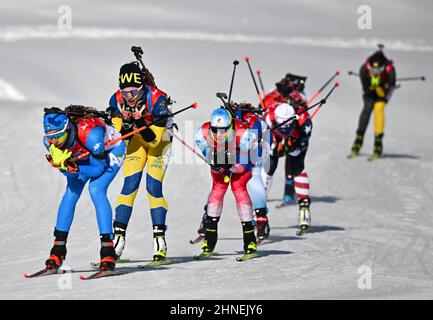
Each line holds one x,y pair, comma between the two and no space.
364,214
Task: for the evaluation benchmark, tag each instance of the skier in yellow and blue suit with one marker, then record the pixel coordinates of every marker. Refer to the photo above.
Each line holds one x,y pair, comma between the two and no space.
134,105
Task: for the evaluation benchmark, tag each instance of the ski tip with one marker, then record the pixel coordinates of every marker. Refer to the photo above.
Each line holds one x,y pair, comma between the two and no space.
337,72
258,72
26,275
83,278
194,105
337,84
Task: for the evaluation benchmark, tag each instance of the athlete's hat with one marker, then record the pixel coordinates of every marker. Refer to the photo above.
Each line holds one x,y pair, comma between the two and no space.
130,75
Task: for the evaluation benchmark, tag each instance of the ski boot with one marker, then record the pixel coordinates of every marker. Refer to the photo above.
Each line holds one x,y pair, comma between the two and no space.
119,238
378,147
108,254
159,244
262,222
304,216
211,237
58,252
250,244
356,147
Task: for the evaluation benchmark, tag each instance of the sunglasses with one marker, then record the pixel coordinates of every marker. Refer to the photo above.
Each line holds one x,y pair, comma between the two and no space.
57,134
132,94
220,130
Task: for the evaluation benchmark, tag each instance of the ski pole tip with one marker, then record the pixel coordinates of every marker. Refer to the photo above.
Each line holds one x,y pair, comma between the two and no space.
246,59
258,72
337,84
194,105
337,72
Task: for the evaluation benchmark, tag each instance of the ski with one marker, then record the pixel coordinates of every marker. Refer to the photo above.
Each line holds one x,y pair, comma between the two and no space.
96,264
303,230
248,256
199,239
156,263
44,272
374,157
205,255
260,241
352,155
103,274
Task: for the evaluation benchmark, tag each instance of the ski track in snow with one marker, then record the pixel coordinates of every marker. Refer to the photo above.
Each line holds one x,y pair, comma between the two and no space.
91,33
9,93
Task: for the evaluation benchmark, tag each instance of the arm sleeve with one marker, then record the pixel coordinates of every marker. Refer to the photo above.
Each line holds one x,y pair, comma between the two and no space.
363,76
97,162
391,80
248,148
303,141
202,144
160,110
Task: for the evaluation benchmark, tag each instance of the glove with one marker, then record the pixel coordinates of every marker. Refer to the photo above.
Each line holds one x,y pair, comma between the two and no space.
219,168
237,168
59,157
71,166
147,134
126,112
380,92
137,112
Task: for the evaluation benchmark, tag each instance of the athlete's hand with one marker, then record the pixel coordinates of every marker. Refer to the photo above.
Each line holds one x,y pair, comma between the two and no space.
70,165
237,168
126,112
58,157
137,112
380,92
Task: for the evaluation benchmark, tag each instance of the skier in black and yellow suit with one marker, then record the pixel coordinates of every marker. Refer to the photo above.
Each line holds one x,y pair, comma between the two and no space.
135,105
378,78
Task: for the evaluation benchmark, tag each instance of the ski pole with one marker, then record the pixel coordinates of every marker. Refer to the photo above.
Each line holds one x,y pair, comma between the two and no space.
323,87
351,73
138,52
235,63
324,100
422,78
247,60
188,146
111,142
296,115
259,75
226,177
318,104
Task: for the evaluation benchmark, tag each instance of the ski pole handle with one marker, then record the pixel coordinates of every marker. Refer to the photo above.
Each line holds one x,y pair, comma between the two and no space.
352,73
247,60
235,63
